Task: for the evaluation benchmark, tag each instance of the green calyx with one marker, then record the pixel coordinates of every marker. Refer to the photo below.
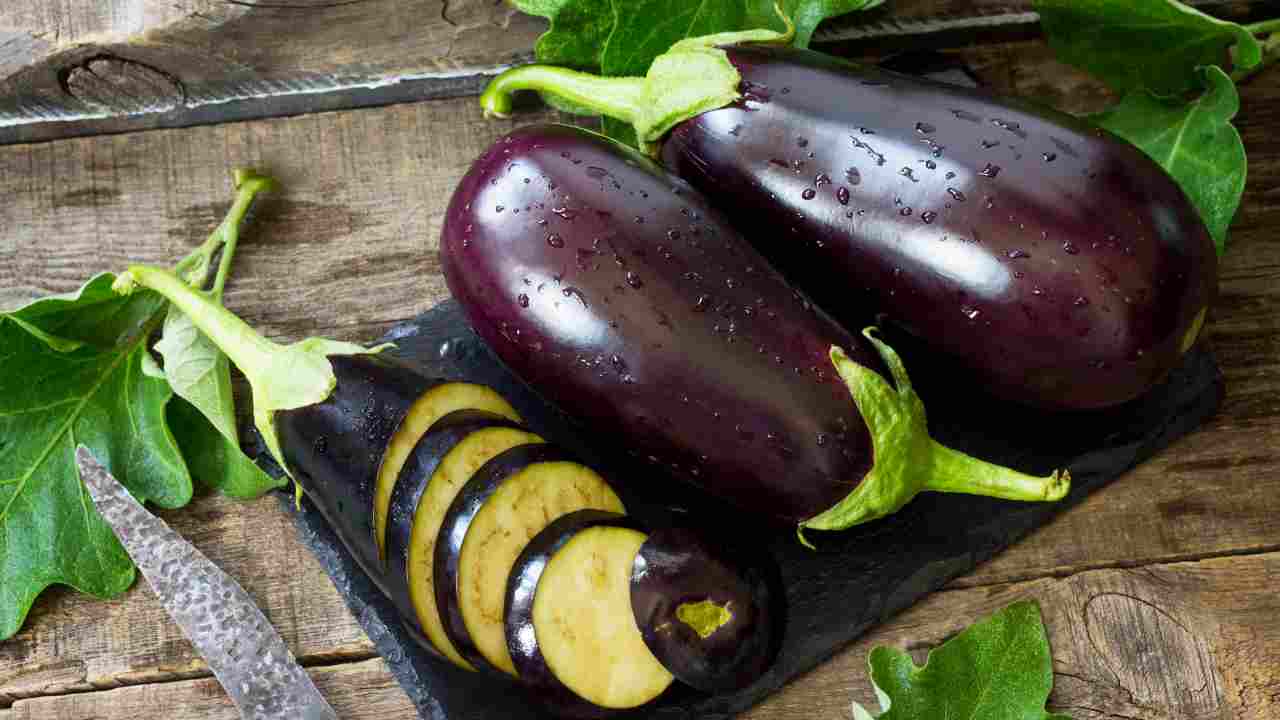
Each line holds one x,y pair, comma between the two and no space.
282,377
693,77
907,460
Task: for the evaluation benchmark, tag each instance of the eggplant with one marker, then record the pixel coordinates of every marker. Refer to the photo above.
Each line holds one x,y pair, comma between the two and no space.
456,468
415,477
709,618
338,445
426,410
1058,263
522,636
504,504
618,292
570,626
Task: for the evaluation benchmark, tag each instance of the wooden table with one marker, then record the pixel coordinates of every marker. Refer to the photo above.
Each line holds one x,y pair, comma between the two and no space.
1161,593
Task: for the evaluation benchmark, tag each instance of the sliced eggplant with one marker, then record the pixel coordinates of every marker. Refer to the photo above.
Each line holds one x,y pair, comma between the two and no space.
584,624
453,472
497,512
415,477
426,409
707,617
522,586
335,447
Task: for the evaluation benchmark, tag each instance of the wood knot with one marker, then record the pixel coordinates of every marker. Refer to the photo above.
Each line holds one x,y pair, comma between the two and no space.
120,86
1154,657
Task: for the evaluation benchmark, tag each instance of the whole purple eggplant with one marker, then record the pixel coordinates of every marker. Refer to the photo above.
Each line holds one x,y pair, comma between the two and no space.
617,291
1057,261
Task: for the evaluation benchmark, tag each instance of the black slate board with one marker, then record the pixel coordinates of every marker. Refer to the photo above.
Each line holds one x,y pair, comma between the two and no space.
854,580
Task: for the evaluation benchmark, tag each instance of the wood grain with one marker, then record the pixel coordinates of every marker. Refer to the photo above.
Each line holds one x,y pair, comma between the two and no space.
1184,641
347,248
355,690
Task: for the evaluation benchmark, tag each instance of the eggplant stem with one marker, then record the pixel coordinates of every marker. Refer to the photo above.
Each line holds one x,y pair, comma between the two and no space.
1270,50
951,471
906,460
618,98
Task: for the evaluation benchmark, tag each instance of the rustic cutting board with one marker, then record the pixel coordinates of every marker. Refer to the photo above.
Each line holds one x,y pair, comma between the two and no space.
854,579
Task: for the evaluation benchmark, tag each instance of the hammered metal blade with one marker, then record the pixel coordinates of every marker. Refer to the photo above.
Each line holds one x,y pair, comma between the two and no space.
244,651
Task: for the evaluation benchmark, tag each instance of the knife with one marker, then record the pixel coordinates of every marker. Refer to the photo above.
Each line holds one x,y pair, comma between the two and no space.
246,654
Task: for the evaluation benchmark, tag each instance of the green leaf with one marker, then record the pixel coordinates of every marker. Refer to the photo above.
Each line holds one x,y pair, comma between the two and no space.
204,417
579,30
1196,143
216,461
1153,45
997,669
52,398
94,314
806,14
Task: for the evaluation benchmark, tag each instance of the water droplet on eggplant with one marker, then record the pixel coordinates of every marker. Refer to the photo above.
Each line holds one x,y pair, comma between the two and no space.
555,240
990,171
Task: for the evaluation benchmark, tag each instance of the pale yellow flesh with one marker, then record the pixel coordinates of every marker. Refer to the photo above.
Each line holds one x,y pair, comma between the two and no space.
425,411
583,621
525,503
456,467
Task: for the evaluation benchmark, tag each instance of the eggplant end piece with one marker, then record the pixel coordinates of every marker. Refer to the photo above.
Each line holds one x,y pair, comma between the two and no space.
907,460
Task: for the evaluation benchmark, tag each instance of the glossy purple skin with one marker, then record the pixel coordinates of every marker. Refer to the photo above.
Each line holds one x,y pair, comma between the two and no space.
336,446
522,587
1055,260
676,566
623,297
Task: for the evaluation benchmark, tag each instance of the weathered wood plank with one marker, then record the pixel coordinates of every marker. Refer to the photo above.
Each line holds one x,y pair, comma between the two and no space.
355,690
128,65
1190,641
348,248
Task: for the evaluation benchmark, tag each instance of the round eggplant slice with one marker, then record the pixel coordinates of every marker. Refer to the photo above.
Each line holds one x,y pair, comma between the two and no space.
453,472
497,512
584,624
425,411
708,619
522,586
415,477
335,447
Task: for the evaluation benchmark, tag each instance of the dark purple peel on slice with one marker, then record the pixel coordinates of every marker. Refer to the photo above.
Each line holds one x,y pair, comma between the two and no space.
708,618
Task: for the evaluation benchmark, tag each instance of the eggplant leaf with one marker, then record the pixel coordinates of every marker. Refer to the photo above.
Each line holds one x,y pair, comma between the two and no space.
95,384
997,669
1195,142
579,30
203,418
1153,45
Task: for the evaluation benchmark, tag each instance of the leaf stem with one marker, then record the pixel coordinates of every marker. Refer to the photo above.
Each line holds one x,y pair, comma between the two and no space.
619,98
248,185
194,268
241,343
1264,27
1270,50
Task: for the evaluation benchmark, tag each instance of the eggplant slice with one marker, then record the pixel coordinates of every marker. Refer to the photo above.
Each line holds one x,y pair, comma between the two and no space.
415,477
707,617
425,411
335,447
516,509
471,575
522,586
453,472
585,627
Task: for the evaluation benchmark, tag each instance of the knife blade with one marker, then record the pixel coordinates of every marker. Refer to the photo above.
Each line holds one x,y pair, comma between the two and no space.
245,653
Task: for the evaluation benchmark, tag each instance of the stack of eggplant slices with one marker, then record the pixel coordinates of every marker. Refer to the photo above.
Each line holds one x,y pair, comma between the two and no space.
708,311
